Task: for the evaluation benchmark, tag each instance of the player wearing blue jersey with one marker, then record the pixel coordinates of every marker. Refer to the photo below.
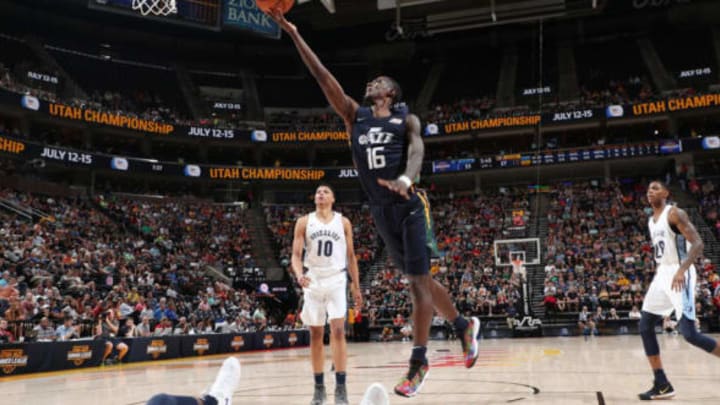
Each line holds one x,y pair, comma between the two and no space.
387,149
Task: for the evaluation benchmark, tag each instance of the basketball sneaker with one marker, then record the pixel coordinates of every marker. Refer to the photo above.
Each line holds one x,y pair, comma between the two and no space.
341,395
469,341
319,396
375,395
658,391
410,384
226,381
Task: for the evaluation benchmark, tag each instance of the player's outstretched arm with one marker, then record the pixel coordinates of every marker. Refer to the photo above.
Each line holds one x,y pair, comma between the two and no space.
416,152
297,251
352,265
343,104
679,219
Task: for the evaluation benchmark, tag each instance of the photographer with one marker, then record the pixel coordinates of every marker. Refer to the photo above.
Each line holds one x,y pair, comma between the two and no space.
107,329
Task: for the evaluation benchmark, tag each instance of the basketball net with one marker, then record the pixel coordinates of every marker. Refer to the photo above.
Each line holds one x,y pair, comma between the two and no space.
157,7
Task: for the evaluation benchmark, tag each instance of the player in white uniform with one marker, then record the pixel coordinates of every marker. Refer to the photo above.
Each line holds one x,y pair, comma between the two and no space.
676,246
327,239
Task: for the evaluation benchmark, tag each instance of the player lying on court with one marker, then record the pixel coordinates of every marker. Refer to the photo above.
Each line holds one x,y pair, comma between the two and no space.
676,246
387,149
227,380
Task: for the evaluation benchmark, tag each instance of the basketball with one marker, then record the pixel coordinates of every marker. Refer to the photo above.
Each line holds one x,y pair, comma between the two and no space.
267,5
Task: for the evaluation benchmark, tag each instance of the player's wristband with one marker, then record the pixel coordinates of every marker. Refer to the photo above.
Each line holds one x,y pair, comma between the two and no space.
405,180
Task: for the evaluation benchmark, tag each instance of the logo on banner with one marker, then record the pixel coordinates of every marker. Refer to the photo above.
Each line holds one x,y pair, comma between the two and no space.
527,323
268,341
79,354
237,343
11,359
245,14
156,348
258,135
201,346
119,163
431,129
614,111
192,171
292,338
711,142
30,103
670,146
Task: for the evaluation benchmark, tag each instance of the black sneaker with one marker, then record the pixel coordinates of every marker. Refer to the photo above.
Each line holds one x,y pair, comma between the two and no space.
319,396
658,391
341,395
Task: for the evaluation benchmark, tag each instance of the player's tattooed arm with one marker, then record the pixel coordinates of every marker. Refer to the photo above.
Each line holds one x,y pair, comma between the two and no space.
678,218
416,152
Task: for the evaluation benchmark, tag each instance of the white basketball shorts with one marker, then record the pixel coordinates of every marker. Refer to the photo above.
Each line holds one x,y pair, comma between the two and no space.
660,298
325,298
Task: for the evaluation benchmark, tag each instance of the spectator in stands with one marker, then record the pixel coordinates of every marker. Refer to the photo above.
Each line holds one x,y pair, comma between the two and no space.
130,329
144,329
634,313
182,327
163,328
406,332
66,331
44,332
5,335
259,319
586,323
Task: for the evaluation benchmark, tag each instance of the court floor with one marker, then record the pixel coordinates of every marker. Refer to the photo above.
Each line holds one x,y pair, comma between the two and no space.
602,370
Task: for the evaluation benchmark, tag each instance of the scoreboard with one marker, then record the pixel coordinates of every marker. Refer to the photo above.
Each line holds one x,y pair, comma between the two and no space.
204,14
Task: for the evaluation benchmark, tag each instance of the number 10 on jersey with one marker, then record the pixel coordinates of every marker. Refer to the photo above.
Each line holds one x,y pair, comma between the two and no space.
376,159
325,248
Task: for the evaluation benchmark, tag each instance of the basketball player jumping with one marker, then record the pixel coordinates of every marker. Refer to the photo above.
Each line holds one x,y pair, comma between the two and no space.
387,149
676,246
327,239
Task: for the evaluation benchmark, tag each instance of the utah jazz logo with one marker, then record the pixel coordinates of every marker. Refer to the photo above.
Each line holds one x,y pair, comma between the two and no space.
156,348
201,346
11,359
528,323
237,343
268,341
78,355
376,136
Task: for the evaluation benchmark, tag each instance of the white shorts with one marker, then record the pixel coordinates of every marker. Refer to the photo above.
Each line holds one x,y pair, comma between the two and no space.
661,300
325,298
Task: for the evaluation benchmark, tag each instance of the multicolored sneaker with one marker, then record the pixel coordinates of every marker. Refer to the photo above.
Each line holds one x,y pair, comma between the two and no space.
412,382
470,346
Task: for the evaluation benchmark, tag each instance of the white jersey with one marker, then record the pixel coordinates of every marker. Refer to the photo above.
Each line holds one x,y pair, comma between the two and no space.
325,245
669,247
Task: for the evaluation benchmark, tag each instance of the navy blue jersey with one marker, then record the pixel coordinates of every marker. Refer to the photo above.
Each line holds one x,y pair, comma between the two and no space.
379,149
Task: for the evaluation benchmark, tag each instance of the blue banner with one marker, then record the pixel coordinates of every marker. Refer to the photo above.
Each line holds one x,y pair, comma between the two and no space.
245,15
